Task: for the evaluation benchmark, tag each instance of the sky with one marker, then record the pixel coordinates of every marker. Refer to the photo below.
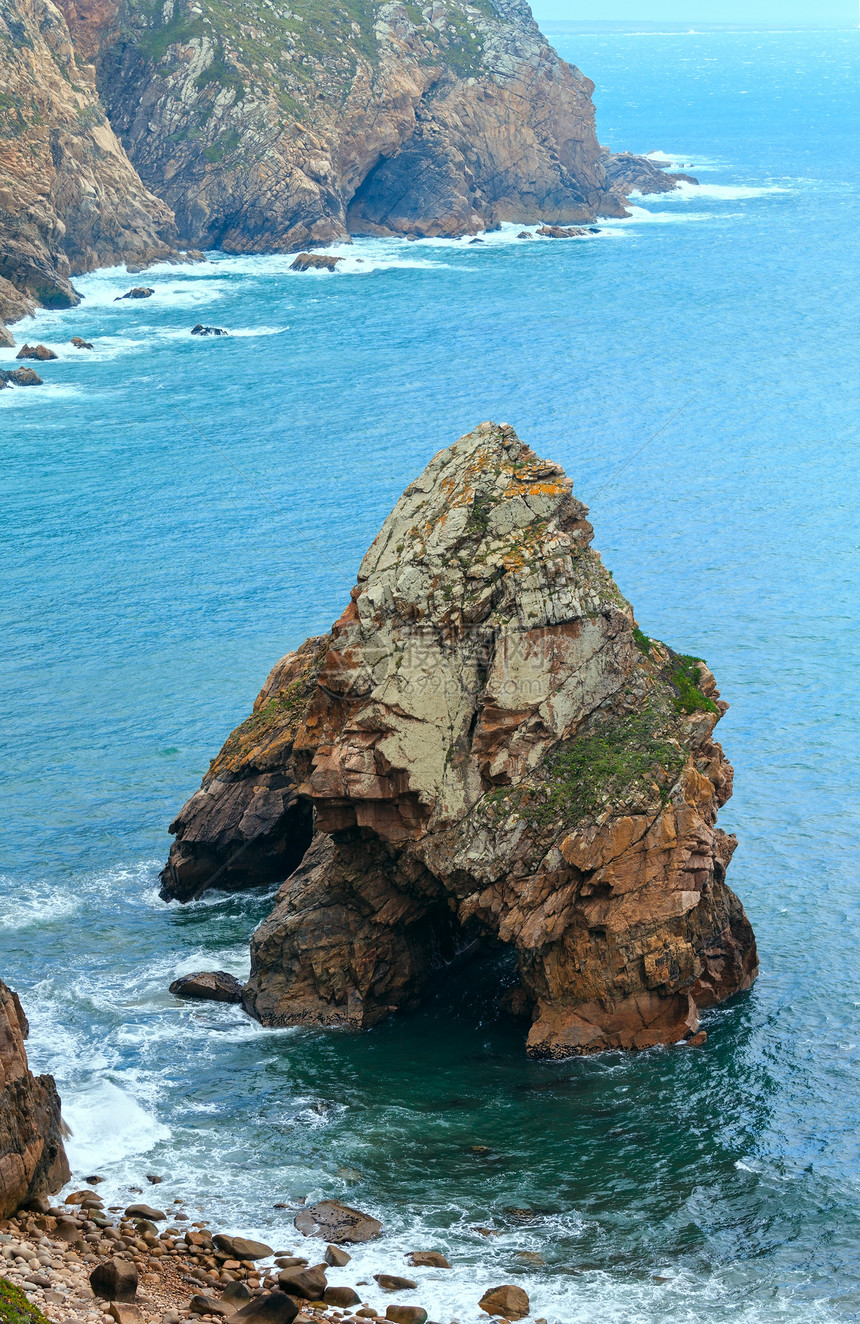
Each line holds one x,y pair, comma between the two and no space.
777,12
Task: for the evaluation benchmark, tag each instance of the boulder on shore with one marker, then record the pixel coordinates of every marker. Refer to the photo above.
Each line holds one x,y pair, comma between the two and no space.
308,1283
214,985
241,1248
114,1280
337,1223
270,1308
315,262
33,1161
40,352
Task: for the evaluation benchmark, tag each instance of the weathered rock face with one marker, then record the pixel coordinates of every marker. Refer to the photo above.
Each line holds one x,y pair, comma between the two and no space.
32,1158
627,173
278,127
70,200
493,752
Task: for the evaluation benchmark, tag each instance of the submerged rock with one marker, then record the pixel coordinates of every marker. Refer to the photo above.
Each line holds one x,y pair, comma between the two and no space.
315,262
214,985
337,1223
201,330
40,352
139,292
33,1161
493,750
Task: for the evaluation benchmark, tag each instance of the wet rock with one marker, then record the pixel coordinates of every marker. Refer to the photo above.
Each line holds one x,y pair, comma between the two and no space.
428,1259
389,1282
114,1280
341,1296
337,1223
336,1257
215,985
145,1211
309,1283
476,241
32,1158
22,377
271,1308
626,173
562,231
201,330
525,234
154,1179
40,352
406,1315
291,1262
94,1180
139,292
509,1301
241,1248
315,262
80,343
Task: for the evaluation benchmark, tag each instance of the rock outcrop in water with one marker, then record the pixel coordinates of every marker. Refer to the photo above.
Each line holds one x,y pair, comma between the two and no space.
493,753
70,200
32,1158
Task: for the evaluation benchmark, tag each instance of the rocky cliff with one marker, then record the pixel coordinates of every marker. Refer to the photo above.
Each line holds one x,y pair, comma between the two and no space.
269,126
32,1158
493,752
70,200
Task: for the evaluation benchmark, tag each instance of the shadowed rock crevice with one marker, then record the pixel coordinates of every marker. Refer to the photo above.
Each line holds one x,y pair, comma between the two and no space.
494,753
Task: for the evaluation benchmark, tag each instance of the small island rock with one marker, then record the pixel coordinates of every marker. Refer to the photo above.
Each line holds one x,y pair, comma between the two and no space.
21,377
40,352
315,262
562,231
428,1259
389,1282
201,330
80,343
139,292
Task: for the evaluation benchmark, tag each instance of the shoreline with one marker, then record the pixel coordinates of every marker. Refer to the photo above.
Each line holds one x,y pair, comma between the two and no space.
50,1252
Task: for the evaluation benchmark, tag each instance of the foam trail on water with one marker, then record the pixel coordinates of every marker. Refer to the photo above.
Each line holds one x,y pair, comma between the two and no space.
107,1125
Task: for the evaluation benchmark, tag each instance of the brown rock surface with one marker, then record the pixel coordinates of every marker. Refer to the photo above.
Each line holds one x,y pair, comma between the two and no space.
70,200
215,986
509,1301
384,119
636,174
493,750
337,1223
32,1158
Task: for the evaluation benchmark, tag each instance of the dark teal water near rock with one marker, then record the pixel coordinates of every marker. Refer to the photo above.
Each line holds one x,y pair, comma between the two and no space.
148,586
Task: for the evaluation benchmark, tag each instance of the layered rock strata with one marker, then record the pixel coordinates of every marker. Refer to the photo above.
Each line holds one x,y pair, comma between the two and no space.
494,753
70,200
32,1158
273,127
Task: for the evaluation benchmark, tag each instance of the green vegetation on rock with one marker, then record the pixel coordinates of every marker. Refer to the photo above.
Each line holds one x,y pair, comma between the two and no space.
15,1308
616,762
685,675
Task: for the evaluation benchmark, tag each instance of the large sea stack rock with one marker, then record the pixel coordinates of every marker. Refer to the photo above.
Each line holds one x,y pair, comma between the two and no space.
70,199
494,752
32,1158
289,126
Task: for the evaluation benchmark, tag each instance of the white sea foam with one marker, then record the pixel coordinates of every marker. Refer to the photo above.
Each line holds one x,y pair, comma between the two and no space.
721,192
107,1125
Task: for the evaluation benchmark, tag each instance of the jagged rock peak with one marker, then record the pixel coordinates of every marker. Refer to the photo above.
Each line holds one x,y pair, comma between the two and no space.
494,752
32,1158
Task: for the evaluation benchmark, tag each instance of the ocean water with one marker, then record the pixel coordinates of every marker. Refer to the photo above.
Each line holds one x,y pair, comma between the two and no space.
178,513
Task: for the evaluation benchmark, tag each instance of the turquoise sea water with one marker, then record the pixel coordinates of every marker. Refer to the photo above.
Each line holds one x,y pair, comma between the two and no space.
149,586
